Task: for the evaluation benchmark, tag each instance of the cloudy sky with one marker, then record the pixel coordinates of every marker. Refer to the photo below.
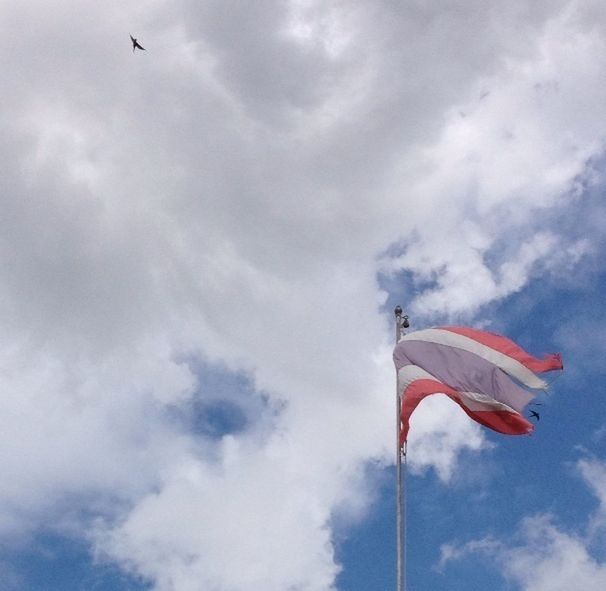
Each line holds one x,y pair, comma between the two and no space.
201,246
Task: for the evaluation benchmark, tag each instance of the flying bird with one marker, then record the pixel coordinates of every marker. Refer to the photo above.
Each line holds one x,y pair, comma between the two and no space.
136,44
535,415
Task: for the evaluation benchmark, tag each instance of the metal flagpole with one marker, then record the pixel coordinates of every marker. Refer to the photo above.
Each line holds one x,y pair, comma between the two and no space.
401,322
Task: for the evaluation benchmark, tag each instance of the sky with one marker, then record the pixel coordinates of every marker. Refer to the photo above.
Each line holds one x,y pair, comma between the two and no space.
201,248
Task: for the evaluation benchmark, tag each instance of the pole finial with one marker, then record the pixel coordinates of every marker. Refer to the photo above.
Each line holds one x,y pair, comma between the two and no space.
398,311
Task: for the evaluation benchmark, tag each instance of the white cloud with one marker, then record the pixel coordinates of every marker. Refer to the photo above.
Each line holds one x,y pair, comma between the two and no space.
545,557
594,473
439,432
553,560
232,527
224,196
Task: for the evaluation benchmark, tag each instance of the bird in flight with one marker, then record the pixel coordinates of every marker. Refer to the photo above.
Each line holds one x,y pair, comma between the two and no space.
535,415
136,44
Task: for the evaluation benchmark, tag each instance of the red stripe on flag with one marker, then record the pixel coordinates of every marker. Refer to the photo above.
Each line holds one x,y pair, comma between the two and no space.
509,348
502,421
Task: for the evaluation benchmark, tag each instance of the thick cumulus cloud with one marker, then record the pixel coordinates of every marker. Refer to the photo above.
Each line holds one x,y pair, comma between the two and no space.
546,557
224,198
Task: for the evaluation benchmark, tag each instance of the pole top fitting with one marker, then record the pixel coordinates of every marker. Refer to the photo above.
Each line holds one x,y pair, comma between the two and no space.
401,319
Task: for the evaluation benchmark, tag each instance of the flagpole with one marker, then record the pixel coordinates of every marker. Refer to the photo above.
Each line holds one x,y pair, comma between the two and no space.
401,322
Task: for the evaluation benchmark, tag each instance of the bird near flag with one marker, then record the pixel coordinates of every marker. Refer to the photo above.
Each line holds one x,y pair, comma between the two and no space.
481,371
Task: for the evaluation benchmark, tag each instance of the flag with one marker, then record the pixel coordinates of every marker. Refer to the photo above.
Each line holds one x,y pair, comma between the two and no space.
474,368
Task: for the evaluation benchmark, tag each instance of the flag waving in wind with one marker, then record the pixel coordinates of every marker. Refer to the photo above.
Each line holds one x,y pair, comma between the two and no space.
475,369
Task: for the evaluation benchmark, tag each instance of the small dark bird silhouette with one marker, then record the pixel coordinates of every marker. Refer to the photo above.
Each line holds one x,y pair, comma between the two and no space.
136,44
535,415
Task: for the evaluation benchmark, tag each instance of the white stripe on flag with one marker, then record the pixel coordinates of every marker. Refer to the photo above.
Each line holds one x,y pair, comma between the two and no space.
475,401
410,373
